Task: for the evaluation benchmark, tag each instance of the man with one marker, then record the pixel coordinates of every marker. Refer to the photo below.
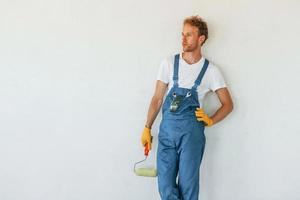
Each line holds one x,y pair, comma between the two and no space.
181,140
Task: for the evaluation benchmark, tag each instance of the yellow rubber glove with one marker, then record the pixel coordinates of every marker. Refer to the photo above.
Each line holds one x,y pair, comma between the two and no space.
202,116
146,137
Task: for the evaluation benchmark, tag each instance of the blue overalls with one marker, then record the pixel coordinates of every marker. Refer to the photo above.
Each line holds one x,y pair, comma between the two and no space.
181,142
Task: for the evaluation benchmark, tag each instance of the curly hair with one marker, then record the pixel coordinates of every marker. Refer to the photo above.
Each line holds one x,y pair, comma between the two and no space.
199,23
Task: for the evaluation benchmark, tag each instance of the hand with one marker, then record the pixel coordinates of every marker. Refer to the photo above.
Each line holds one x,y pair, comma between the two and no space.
202,116
146,137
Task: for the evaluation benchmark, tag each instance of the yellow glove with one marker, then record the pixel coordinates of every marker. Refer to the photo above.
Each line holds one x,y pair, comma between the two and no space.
146,137
202,116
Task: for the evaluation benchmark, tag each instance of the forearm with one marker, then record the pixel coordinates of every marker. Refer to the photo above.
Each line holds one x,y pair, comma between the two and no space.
222,112
153,111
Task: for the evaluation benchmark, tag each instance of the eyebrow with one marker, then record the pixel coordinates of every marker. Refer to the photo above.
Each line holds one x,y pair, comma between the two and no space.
186,33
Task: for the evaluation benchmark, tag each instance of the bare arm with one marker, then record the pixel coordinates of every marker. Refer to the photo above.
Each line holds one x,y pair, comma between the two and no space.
227,105
156,102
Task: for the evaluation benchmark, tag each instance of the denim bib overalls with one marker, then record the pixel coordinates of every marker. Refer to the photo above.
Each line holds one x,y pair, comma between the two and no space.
181,141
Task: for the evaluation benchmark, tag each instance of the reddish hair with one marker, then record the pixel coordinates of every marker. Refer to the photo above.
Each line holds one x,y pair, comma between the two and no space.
199,23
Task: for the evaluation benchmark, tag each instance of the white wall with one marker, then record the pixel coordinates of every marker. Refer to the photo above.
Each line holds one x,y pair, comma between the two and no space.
76,78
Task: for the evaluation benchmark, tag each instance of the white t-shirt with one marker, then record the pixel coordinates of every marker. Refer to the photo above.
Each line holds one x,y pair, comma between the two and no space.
187,74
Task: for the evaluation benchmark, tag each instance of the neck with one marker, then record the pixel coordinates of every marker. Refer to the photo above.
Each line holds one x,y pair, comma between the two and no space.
192,57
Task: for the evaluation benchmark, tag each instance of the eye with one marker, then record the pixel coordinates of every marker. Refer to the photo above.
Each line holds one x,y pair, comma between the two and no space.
174,94
188,94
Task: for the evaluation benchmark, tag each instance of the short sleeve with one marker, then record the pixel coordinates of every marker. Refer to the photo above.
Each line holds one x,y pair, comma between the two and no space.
163,72
217,80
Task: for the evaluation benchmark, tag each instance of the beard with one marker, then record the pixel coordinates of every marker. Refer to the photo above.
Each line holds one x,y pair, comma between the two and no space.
189,48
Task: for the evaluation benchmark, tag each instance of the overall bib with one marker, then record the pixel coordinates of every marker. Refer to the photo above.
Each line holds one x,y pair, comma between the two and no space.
181,141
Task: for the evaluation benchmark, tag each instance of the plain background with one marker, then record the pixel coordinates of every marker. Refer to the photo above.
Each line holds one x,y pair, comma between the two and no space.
76,78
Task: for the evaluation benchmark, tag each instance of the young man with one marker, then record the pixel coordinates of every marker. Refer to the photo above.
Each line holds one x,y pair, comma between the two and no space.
188,77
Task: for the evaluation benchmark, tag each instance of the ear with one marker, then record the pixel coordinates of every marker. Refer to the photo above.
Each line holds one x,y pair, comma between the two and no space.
201,39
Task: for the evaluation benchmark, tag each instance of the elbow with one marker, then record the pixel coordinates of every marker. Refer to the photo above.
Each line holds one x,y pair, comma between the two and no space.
157,102
230,107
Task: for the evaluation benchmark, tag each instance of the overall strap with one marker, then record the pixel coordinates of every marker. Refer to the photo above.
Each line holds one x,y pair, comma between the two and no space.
176,67
201,74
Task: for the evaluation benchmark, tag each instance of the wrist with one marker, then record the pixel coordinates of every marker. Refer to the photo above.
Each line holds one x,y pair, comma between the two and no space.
147,126
211,122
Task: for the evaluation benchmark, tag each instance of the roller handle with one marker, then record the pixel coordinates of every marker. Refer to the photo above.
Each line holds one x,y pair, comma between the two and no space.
146,149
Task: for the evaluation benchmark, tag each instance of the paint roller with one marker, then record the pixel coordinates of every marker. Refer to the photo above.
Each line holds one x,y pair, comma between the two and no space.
148,172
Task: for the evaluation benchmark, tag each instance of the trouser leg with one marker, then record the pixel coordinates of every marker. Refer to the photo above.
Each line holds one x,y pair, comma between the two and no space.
190,157
167,167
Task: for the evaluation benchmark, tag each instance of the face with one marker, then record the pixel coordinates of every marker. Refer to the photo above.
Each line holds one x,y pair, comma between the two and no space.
191,41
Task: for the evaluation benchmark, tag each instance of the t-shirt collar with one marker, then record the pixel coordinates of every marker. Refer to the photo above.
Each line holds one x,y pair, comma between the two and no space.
199,62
